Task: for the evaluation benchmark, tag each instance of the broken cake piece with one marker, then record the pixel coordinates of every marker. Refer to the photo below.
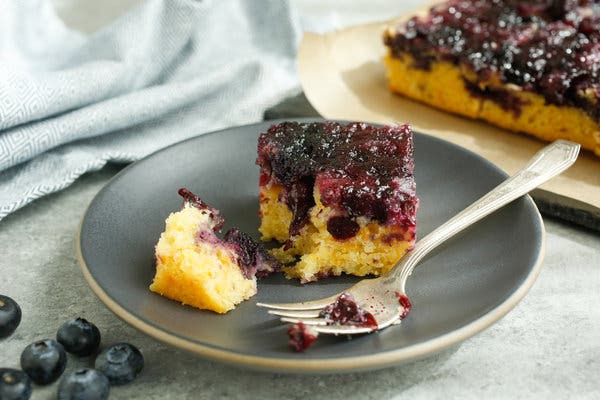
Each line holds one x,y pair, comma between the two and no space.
340,197
196,267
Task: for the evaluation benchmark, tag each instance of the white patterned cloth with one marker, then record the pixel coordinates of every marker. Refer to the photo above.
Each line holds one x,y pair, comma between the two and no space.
166,71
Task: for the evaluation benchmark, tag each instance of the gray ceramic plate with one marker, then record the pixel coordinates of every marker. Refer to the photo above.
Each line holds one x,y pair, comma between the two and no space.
459,290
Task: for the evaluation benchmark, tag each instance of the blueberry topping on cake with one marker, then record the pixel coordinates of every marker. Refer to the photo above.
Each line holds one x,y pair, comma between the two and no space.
214,215
345,311
254,260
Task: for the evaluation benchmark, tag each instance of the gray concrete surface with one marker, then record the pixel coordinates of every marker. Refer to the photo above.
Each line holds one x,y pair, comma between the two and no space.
547,347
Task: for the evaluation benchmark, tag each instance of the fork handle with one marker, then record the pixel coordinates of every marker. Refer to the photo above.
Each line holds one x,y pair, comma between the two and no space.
546,164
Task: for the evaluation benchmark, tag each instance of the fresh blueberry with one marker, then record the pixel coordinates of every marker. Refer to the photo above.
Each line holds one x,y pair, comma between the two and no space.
121,363
79,337
84,384
14,384
10,316
44,361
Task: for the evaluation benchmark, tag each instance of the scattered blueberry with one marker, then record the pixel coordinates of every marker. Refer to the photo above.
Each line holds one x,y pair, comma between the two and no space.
10,316
44,361
79,337
84,384
14,384
121,363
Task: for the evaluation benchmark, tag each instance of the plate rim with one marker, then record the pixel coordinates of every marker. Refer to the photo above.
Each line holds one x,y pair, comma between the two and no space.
321,365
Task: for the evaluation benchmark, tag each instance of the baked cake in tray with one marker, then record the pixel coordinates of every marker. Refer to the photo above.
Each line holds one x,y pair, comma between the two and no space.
530,66
340,198
195,267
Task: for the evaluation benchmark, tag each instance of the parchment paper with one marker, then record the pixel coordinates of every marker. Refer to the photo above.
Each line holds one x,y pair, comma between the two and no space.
343,78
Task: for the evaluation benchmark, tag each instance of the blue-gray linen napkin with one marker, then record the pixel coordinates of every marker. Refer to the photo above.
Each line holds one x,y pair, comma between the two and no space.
166,71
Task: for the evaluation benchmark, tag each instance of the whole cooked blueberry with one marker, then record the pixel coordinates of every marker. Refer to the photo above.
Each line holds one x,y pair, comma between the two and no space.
14,384
79,337
10,316
84,384
121,363
44,361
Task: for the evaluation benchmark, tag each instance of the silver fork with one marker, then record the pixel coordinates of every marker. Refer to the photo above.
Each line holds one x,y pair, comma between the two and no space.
381,294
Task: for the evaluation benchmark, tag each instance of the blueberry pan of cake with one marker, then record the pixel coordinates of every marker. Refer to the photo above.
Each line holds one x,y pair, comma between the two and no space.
527,66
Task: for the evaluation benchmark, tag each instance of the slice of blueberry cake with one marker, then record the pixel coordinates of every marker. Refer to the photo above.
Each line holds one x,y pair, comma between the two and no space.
195,267
530,66
340,198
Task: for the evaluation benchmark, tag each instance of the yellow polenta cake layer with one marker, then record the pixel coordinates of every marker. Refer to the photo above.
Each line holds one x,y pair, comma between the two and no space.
194,272
442,86
374,249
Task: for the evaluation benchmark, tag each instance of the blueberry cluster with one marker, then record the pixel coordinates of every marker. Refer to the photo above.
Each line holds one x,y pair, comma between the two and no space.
44,361
358,169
